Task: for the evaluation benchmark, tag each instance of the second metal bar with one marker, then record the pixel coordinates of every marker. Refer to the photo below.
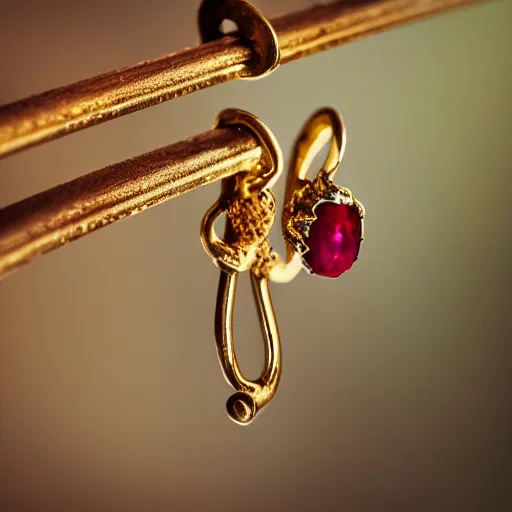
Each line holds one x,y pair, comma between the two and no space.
64,213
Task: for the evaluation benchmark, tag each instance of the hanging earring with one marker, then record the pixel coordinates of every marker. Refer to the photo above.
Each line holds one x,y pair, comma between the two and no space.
322,226
250,209
322,222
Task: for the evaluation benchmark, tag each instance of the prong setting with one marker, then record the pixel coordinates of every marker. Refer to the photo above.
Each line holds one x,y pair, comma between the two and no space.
300,214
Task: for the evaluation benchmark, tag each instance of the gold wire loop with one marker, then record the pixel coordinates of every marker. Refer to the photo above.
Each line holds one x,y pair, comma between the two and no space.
325,125
251,396
253,27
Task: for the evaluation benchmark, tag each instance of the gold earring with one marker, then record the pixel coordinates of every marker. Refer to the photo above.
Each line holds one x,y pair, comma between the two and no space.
322,226
250,210
322,222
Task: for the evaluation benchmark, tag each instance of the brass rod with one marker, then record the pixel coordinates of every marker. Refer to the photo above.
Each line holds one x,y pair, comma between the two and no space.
73,107
52,218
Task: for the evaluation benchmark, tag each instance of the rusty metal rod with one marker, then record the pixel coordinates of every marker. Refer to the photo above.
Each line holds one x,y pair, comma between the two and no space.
52,218
73,107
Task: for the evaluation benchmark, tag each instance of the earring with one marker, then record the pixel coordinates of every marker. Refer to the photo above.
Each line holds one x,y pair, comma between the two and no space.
322,222
322,226
250,210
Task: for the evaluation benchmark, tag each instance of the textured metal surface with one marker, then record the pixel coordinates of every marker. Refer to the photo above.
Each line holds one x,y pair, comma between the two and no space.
71,108
52,218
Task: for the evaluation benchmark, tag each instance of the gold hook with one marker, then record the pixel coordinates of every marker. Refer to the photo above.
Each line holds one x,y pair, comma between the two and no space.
324,125
250,211
251,396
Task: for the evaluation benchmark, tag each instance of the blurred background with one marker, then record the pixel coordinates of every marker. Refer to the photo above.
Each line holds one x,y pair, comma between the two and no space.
395,385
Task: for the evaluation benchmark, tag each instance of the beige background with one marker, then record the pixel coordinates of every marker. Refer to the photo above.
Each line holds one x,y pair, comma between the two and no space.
395,392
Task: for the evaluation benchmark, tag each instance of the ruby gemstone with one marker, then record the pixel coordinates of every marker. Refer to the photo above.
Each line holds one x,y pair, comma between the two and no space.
334,239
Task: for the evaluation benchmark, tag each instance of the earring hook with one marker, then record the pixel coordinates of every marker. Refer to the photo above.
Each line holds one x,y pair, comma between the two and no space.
323,126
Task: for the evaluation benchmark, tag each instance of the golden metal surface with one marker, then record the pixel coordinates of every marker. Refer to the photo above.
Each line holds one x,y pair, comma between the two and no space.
243,405
52,218
250,211
71,108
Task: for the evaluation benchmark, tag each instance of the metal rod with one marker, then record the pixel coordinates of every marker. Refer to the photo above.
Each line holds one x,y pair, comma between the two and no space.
74,107
52,218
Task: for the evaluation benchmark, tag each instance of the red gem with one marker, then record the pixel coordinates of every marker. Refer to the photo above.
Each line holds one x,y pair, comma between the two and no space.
334,239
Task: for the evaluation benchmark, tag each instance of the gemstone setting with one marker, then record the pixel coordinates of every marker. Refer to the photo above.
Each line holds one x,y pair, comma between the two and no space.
334,239
324,224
